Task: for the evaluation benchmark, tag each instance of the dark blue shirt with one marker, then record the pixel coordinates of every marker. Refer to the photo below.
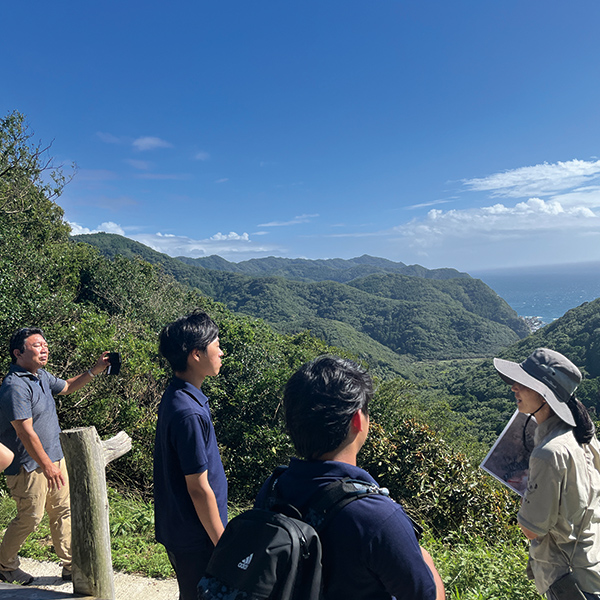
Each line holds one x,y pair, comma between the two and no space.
185,445
24,395
370,551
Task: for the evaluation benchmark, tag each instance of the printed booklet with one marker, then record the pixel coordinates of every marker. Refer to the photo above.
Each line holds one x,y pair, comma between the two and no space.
508,460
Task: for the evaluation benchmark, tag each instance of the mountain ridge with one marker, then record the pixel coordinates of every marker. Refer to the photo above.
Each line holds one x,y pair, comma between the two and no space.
334,269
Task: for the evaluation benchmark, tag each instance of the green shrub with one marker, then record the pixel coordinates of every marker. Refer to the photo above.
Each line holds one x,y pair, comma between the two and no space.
437,486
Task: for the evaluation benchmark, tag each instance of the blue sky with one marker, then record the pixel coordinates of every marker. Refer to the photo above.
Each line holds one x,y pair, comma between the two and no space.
451,134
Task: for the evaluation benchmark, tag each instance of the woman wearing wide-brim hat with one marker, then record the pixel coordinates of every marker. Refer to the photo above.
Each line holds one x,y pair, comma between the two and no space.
560,512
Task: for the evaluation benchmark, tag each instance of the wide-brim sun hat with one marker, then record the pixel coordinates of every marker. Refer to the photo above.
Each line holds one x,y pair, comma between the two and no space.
547,372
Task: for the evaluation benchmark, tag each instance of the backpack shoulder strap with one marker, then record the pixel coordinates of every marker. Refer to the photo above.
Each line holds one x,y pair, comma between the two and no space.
330,499
273,500
327,501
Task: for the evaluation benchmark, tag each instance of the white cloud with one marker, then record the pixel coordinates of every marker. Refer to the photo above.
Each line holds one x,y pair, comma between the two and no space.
229,246
223,180
232,235
507,229
537,180
295,221
150,143
558,220
202,155
108,227
583,196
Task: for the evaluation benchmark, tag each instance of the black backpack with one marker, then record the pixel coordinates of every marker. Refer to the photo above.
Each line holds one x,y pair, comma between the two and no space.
274,553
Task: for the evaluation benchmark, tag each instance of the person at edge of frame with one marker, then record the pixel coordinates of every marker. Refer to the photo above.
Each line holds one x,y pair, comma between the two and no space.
564,475
190,488
37,476
6,457
370,549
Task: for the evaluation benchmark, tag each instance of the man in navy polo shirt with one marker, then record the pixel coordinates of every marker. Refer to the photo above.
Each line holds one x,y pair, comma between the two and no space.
37,476
370,550
190,488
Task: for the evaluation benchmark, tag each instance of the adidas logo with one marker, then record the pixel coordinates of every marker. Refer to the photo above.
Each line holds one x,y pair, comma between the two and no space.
244,564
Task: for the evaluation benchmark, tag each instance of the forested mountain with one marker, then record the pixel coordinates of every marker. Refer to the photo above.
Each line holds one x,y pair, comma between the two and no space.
333,269
411,316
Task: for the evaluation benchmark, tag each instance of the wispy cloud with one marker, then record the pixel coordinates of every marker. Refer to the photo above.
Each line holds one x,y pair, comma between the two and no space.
427,204
165,176
109,138
141,165
202,156
295,221
150,143
537,180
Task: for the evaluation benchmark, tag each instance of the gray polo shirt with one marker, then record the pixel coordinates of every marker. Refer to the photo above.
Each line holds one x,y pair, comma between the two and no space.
564,479
24,395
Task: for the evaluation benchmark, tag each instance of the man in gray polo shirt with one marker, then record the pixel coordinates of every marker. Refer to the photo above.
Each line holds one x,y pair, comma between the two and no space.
37,477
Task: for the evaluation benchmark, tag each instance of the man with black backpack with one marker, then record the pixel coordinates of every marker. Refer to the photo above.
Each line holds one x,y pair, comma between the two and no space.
346,539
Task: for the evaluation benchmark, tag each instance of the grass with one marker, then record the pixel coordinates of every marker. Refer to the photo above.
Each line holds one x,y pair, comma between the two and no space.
475,570
471,570
134,549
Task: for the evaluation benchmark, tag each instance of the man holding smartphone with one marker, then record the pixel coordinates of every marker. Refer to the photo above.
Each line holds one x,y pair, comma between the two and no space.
29,428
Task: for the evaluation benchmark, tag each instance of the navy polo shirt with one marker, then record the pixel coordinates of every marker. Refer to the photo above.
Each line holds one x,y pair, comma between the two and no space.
24,395
185,445
369,549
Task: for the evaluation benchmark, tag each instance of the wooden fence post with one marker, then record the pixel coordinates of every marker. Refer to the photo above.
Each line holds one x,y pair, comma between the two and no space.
86,457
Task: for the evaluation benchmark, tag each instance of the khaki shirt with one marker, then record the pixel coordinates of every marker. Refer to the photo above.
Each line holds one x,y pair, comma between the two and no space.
564,478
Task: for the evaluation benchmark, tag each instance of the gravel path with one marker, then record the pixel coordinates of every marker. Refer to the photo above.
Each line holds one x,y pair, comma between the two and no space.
127,587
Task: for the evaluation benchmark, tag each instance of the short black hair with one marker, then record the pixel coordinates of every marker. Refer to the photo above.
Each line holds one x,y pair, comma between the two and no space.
17,340
191,332
320,400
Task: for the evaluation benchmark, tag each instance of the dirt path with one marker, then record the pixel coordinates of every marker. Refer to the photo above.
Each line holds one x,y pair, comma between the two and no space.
127,587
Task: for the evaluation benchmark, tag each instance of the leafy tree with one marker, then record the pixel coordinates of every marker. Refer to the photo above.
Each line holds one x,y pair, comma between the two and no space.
32,234
29,183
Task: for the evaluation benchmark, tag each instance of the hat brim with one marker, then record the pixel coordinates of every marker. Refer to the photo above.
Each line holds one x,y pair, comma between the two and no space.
512,372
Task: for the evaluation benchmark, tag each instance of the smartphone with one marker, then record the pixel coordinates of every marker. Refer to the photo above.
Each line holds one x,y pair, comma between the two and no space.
114,367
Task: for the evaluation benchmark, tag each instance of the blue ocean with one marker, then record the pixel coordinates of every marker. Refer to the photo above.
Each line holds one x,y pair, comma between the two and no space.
545,292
